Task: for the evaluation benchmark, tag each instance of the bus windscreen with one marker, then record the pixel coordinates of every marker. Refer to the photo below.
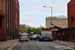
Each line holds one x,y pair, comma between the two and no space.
46,33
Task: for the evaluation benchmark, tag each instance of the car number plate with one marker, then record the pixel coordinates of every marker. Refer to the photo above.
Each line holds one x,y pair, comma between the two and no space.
23,39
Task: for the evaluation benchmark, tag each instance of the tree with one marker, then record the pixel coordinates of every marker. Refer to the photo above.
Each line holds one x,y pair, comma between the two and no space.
28,29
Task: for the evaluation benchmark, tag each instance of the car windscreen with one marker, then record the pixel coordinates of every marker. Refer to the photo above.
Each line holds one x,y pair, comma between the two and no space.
34,35
46,33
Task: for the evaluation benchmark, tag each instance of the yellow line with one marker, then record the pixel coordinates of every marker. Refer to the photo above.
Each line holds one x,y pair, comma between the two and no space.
12,46
58,44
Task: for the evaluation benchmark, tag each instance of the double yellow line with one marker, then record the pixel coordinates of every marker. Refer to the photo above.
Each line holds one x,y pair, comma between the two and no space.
12,46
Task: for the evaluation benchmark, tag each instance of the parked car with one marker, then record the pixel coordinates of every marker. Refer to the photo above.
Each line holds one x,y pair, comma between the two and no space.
38,36
33,37
23,37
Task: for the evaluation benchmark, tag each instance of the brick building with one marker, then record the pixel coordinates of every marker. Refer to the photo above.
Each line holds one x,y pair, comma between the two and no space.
71,22
60,22
9,19
71,13
22,26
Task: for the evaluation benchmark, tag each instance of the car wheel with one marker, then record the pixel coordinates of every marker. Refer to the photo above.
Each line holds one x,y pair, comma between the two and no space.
51,40
30,39
35,39
19,40
27,40
39,40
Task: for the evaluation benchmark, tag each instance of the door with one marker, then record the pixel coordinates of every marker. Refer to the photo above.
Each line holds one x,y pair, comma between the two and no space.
0,34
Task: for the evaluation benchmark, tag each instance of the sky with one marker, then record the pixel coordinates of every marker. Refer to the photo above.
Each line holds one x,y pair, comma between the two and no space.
33,13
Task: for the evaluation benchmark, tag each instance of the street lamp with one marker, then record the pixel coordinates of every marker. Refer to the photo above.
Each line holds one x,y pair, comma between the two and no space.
51,14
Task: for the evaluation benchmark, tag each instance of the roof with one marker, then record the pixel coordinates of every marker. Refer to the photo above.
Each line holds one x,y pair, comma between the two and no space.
22,25
56,27
67,29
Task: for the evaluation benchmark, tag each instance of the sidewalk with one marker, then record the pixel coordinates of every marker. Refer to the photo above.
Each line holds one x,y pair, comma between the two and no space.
4,45
68,44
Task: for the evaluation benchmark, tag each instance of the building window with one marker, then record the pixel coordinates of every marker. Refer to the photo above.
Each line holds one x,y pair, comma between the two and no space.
63,23
15,21
51,23
67,23
72,19
59,23
16,9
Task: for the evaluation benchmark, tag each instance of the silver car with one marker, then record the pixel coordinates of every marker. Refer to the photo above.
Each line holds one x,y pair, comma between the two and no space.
23,37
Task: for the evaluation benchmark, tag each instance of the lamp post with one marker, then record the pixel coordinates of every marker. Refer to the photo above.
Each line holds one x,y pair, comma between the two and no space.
51,13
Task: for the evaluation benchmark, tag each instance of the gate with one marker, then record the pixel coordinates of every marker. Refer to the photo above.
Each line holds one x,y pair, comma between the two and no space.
0,34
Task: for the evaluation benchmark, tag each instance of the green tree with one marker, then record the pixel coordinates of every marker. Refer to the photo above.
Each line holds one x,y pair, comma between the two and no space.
28,29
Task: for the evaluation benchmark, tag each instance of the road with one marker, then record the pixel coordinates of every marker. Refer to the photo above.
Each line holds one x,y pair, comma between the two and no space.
39,45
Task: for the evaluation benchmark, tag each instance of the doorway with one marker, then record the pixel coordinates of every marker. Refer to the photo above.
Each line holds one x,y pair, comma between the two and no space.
0,26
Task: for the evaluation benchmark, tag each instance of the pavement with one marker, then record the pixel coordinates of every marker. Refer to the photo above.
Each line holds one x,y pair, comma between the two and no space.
67,44
6,44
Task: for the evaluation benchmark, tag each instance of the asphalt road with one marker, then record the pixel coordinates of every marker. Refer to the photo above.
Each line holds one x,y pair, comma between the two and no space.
39,45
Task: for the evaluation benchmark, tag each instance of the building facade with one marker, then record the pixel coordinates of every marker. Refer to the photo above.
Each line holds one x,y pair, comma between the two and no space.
22,26
9,19
71,13
71,22
60,22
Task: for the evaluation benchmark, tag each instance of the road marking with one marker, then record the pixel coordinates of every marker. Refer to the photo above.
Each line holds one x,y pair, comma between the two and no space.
64,45
39,46
12,46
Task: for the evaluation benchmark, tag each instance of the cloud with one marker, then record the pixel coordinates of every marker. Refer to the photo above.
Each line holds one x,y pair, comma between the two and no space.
40,10
35,24
29,24
39,7
32,20
29,18
32,1
33,13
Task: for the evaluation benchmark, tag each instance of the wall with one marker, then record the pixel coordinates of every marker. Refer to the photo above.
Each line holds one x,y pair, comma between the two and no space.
56,22
71,13
7,34
3,20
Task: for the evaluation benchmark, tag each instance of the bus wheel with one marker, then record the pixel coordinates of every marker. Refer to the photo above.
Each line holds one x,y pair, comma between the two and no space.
51,40
39,40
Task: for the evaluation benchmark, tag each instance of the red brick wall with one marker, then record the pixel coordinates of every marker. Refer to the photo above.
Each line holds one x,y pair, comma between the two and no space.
71,35
17,17
3,19
11,19
71,13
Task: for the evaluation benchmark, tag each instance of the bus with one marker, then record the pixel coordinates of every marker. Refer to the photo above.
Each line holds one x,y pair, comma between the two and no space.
46,34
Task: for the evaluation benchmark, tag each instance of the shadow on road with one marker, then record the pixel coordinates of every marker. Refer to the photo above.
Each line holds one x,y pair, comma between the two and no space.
46,41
